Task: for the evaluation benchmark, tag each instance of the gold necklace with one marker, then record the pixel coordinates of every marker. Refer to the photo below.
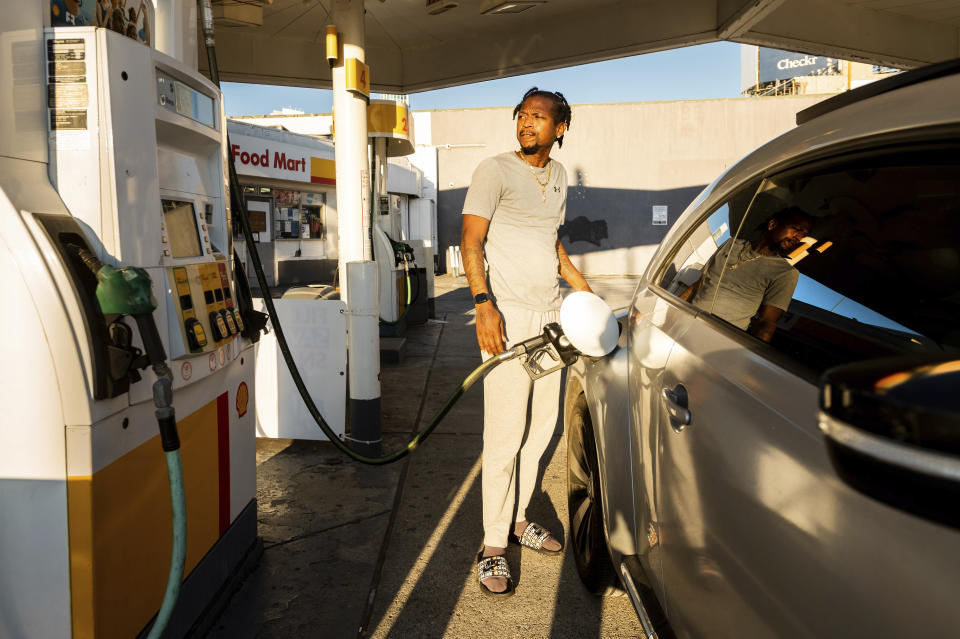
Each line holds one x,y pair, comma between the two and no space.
740,259
542,185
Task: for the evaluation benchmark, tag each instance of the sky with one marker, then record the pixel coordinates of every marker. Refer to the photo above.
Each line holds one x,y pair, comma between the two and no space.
702,71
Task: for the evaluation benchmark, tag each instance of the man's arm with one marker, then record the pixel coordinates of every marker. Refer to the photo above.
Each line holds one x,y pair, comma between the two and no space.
490,335
766,322
569,272
777,297
687,294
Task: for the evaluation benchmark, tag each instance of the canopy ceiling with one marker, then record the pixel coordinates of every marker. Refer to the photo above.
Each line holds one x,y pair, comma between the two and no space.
409,50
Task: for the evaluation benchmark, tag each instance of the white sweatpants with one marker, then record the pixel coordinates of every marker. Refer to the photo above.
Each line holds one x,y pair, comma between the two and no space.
508,392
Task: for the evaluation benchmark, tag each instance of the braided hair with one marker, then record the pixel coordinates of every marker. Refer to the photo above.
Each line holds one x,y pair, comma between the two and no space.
561,109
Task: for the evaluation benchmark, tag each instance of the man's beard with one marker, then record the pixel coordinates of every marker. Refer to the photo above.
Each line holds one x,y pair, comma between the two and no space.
529,150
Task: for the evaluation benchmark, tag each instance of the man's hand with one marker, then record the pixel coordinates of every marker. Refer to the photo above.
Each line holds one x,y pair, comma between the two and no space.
490,334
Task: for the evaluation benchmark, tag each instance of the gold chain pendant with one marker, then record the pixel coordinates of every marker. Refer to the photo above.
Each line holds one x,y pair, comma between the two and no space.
542,185
740,259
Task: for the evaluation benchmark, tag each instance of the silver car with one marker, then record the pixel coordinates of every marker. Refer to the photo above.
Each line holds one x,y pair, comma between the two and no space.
773,449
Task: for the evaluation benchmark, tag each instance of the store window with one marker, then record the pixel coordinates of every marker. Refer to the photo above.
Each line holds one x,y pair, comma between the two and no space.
296,215
299,215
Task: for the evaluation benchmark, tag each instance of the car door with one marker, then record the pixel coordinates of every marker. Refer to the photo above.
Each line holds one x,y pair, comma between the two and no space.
655,323
759,535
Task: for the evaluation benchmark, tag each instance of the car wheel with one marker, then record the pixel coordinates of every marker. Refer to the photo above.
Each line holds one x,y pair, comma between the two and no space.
584,504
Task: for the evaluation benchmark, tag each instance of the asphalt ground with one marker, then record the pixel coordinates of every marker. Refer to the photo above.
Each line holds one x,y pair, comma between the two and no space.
389,551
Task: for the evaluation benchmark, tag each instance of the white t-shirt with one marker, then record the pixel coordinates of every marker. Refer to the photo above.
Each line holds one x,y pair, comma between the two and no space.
521,243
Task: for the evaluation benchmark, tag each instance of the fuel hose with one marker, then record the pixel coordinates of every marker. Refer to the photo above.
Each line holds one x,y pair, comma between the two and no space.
206,13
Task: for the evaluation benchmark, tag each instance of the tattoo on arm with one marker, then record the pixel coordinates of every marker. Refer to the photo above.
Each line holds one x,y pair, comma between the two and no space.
474,268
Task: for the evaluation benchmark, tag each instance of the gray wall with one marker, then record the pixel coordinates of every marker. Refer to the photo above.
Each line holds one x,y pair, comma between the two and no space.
621,160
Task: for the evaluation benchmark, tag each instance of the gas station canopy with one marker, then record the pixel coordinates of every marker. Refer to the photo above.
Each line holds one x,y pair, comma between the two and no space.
418,45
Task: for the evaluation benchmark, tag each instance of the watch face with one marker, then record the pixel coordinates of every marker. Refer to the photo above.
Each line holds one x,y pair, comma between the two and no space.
480,298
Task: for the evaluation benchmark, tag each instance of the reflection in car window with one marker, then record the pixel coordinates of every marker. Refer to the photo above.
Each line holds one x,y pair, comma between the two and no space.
879,266
749,282
696,250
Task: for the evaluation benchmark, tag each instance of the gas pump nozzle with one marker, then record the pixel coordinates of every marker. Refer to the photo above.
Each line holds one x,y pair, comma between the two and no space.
548,352
589,328
127,291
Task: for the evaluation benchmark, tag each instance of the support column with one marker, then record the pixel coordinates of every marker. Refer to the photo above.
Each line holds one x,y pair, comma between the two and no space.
350,139
355,248
363,321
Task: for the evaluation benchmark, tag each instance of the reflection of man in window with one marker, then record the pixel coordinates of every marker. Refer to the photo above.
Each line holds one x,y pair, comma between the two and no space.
750,284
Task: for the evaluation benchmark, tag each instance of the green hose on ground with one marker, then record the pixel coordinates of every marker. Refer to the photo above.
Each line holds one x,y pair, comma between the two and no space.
179,507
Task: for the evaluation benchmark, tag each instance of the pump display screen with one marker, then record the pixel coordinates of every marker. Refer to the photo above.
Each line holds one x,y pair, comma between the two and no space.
181,222
176,96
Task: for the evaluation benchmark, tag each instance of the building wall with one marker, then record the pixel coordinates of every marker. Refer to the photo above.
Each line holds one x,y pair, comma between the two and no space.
621,160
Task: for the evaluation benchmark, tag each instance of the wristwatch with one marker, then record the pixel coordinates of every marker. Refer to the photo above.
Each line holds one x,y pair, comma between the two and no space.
480,298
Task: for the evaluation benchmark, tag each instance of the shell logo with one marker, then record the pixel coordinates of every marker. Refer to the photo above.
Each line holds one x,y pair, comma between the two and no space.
243,396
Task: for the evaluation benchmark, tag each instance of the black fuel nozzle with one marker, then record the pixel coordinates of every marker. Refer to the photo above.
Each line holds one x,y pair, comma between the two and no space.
548,352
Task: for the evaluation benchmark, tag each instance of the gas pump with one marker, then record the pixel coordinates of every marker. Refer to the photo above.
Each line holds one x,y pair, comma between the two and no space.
112,155
394,263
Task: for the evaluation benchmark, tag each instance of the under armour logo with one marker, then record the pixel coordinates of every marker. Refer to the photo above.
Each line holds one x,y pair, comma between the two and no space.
556,189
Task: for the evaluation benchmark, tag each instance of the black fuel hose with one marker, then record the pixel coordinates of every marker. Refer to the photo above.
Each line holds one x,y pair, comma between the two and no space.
206,14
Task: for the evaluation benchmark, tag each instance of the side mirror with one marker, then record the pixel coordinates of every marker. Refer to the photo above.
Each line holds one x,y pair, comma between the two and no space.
892,429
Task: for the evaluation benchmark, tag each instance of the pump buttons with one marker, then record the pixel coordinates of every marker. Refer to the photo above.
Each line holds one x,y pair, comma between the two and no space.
218,326
228,318
196,337
237,319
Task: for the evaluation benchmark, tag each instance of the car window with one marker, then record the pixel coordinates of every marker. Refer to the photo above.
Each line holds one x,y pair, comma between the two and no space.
686,266
853,261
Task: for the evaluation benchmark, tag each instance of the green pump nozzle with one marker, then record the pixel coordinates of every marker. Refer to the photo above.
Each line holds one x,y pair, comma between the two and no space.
120,291
124,291
127,291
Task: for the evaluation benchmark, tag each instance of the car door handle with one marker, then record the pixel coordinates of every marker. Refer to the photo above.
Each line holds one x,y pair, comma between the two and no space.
677,407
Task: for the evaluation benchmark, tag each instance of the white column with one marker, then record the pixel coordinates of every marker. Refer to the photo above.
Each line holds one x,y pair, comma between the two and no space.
353,220
363,320
350,138
175,30
168,29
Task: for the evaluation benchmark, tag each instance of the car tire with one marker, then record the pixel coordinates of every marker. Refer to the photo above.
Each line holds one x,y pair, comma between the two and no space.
584,505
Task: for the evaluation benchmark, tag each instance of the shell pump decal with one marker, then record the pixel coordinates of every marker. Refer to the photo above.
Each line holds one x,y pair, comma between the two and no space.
243,396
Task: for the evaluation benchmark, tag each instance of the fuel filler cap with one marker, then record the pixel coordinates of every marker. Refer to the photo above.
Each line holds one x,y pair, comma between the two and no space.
589,323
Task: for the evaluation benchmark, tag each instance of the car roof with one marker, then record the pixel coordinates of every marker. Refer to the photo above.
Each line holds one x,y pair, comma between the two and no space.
886,85
919,101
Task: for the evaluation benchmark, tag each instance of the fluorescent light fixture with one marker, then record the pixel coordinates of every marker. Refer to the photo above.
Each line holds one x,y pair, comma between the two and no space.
435,7
499,7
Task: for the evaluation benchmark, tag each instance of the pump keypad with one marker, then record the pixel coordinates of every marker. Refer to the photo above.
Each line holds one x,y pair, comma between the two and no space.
202,299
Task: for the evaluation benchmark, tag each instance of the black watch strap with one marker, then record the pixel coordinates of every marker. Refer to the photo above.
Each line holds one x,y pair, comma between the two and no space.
480,298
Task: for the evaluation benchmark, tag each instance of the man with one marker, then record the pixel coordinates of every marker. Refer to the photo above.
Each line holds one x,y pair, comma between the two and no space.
750,284
514,206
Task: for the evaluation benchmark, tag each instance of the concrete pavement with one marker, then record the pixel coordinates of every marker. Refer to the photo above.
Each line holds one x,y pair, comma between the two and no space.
359,551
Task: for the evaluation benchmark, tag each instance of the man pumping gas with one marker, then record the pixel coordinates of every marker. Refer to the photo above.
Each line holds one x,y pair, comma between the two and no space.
514,206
